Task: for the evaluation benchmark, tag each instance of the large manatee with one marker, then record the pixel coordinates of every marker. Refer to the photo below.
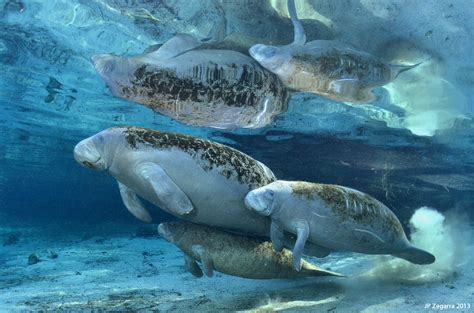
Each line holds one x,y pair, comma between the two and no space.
196,85
326,67
194,179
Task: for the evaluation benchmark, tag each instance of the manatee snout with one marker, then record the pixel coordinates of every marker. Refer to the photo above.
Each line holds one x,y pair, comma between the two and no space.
165,232
113,70
104,64
259,201
254,50
260,52
269,57
87,155
116,71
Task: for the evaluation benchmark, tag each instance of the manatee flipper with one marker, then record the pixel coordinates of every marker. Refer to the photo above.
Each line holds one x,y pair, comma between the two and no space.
277,236
206,260
302,233
177,45
316,250
416,256
133,203
152,48
191,266
299,37
172,197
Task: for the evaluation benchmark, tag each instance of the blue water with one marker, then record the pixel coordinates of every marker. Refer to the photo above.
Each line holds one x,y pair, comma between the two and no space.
51,98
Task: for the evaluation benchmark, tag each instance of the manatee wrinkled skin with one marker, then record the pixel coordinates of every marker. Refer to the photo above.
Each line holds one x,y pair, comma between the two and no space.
335,217
326,67
196,85
233,254
194,179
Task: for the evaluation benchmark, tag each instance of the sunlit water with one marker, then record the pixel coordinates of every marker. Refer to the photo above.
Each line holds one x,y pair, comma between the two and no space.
412,147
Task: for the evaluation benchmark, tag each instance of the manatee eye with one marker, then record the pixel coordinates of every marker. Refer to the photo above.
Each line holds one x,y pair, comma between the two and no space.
269,194
109,66
270,52
99,139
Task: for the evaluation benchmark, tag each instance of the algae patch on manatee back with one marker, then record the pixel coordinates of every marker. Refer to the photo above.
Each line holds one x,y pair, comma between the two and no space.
230,162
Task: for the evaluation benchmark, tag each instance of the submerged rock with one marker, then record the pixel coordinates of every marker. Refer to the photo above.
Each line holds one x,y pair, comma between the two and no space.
33,259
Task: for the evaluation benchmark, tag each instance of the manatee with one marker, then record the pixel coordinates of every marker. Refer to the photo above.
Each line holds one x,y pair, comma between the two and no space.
232,254
235,42
198,86
194,179
326,67
335,217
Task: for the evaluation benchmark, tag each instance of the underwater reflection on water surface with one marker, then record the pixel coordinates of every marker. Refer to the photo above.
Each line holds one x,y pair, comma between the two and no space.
410,148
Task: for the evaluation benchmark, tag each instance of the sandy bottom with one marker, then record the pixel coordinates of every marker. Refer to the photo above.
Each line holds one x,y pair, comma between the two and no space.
129,268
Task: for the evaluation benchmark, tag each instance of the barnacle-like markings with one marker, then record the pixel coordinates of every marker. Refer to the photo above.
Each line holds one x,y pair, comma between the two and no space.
207,83
230,162
202,94
335,65
349,204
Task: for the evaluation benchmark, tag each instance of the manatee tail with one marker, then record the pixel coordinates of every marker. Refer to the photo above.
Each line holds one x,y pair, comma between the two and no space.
300,37
416,256
398,69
